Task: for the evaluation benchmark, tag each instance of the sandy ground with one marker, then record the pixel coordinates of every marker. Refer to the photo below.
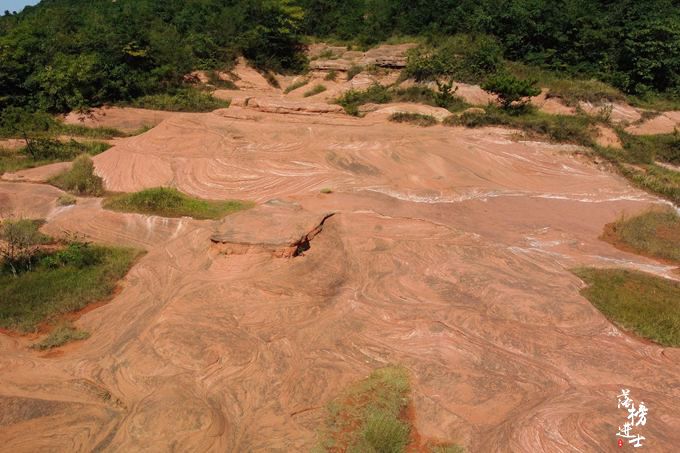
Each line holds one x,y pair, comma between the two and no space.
448,251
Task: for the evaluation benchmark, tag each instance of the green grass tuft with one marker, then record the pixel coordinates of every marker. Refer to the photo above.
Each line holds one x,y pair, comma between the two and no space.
61,283
169,202
414,118
317,89
331,76
641,303
295,85
182,100
369,415
61,335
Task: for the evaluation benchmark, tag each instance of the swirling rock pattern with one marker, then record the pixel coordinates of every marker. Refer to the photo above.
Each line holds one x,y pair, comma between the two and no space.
448,253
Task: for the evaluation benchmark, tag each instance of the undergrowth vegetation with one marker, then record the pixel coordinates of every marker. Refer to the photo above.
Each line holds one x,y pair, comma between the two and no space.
61,279
169,202
654,233
558,128
372,416
417,119
641,303
316,89
444,97
46,151
181,100
80,179
369,416
60,335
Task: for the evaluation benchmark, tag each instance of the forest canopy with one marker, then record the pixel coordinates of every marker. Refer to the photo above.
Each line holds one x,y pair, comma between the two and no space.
69,54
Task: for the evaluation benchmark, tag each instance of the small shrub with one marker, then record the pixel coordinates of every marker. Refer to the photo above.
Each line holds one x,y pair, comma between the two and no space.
317,89
20,241
326,190
66,200
331,76
354,71
80,179
414,118
511,90
295,85
351,100
59,336
183,100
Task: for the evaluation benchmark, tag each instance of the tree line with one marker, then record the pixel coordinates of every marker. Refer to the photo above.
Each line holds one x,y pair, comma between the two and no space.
68,54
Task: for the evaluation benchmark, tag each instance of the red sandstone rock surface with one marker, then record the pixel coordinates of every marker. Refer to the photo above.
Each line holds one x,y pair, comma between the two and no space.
448,251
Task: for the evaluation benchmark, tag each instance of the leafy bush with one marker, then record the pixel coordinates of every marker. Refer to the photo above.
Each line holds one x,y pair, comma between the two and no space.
183,100
352,99
414,118
465,58
317,89
80,179
511,91
168,202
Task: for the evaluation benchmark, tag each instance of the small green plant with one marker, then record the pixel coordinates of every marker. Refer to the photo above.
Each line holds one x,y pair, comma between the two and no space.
642,303
414,118
331,76
297,84
511,91
353,71
80,179
60,335
317,89
326,190
66,200
169,202
182,100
